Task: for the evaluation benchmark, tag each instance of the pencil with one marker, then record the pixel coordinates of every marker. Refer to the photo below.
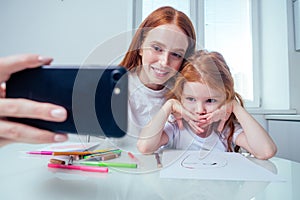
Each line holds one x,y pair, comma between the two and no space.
115,152
159,165
84,153
101,157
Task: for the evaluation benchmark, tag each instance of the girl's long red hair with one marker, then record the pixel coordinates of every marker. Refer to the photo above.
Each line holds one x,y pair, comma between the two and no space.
209,68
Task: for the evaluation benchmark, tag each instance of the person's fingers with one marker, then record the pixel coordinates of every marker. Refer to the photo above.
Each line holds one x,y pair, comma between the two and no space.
2,90
221,125
178,118
188,115
204,117
15,132
195,127
223,121
201,123
24,108
11,64
180,124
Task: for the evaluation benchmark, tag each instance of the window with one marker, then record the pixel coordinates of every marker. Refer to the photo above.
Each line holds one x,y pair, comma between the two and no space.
228,29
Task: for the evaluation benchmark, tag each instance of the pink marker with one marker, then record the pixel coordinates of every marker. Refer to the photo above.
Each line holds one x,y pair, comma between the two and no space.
77,167
41,152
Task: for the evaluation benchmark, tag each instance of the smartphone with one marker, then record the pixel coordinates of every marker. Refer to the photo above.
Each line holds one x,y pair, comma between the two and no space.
95,97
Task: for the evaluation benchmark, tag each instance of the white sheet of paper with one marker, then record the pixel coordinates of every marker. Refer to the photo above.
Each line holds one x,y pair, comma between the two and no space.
215,166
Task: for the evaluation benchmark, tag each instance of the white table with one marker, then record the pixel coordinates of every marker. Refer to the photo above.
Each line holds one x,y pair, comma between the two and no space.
28,178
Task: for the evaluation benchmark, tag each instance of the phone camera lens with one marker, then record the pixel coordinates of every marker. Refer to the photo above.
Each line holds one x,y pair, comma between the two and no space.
116,75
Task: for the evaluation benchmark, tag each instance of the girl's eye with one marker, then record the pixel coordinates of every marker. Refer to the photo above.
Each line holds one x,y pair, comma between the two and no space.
157,48
176,55
191,99
211,100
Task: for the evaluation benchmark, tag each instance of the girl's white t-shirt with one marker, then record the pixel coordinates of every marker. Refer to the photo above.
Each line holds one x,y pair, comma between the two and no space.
187,140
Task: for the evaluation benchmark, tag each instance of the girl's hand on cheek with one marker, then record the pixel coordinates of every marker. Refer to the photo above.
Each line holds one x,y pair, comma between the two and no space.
222,114
196,126
180,113
193,120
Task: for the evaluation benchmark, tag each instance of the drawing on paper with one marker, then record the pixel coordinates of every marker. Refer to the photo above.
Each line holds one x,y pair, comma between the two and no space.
195,161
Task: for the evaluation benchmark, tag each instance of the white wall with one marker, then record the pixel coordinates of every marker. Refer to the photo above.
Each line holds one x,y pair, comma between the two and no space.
67,30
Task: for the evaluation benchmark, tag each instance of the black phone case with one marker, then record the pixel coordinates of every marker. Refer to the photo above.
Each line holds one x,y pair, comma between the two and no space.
95,97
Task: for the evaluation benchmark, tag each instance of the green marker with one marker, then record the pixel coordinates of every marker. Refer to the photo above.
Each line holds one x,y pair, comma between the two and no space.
110,164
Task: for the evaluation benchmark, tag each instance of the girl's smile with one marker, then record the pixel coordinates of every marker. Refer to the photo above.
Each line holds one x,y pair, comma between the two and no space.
160,72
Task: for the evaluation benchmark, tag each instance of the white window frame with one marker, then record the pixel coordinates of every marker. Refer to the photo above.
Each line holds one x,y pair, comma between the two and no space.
197,17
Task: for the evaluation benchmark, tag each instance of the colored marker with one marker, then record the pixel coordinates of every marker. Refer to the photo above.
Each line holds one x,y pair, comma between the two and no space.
77,167
110,164
78,153
41,152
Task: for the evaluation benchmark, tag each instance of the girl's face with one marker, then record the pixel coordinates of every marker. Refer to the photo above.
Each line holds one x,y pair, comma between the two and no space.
200,99
162,54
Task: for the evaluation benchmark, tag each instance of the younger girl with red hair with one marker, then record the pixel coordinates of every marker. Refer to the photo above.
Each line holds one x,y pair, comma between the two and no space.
204,85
